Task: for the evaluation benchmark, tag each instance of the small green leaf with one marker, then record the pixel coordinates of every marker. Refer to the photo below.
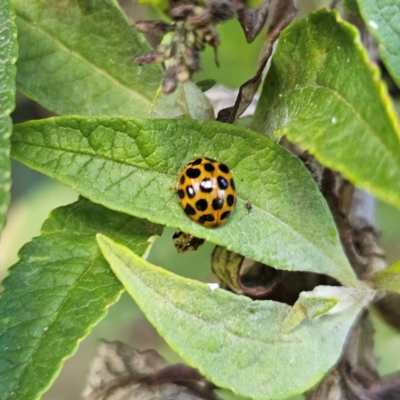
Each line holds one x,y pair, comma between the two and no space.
352,6
206,84
232,340
382,18
388,279
253,3
8,57
324,300
187,101
76,57
131,166
334,299
57,292
163,5
323,93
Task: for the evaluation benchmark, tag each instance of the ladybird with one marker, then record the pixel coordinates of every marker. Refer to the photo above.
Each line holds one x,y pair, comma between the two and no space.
207,192
185,242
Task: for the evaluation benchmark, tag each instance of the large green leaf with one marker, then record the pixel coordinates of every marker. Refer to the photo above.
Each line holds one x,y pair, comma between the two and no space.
131,166
322,92
57,292
76,57
382,17
234,341
8,57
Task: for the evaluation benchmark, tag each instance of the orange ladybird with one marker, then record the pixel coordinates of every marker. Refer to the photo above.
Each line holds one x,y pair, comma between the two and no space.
206,192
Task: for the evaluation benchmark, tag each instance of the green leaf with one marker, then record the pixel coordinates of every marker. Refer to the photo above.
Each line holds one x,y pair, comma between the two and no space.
131,166
352,6
76,57
388,279
232,340
163,5
206,84
322,92
382,18
8,57
57,292
187,101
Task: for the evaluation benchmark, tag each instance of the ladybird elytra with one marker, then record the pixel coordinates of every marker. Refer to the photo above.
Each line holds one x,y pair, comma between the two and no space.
206,192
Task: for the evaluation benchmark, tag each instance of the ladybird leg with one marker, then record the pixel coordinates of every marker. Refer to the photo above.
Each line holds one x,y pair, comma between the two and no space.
173,188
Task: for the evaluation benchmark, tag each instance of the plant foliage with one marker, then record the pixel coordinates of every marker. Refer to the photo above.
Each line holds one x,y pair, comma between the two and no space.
121,139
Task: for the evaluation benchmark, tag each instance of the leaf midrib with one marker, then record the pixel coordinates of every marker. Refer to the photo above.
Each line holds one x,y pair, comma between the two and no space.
105,73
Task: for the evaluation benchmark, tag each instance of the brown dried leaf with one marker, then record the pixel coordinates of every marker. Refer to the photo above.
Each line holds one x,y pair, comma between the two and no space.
389,308
259,281
226,266
253,19
282,13
119,372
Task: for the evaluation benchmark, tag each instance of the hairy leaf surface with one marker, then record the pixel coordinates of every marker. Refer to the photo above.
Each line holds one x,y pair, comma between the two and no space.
232,340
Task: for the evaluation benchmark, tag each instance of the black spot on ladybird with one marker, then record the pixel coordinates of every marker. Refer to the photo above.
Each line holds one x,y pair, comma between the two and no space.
181,193
206,186
201,205
230,200
209,167
206,218
190,191
217,203
182,179
223,168
222,183
193,173
189,210
197,161
225,214
233,184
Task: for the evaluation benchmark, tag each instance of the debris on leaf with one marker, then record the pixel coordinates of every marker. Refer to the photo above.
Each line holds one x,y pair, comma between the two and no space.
185,242
121,372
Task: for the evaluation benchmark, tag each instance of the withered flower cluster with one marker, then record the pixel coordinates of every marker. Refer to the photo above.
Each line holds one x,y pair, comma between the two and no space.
193,27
